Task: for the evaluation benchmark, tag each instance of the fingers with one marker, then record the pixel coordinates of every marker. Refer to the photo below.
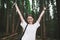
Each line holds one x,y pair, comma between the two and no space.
44,8
14,4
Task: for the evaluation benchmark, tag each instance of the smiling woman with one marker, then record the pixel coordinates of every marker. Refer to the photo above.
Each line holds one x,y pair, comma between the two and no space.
31,35
30,19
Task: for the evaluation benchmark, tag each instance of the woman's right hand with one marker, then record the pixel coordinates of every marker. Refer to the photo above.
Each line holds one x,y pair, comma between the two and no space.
44,8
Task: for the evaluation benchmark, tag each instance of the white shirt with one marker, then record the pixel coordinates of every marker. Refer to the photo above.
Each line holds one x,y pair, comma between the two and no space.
30,33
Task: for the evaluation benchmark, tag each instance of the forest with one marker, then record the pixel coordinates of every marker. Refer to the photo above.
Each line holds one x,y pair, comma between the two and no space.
10,21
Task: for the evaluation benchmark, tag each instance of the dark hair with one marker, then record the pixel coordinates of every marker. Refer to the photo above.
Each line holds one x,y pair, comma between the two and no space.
31,16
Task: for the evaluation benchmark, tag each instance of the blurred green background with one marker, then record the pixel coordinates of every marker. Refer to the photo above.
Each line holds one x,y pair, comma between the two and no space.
10,21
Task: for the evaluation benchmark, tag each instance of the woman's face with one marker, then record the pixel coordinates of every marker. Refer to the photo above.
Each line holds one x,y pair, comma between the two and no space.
30,19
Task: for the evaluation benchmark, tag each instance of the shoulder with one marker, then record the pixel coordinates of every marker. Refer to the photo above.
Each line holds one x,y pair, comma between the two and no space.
37,23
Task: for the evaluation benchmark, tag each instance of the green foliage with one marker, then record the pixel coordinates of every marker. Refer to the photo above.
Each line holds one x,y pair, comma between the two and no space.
25,7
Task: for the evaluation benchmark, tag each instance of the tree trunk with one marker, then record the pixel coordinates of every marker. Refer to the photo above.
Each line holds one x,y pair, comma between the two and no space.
13,21
7,28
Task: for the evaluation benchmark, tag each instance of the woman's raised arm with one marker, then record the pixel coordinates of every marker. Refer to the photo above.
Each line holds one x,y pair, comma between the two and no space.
19,12
42,13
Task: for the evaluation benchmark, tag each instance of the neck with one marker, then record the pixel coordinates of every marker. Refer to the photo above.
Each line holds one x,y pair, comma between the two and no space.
30,23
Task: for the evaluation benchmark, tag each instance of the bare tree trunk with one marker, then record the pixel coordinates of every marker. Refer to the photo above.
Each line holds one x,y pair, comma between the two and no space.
41,7
23,7
17,26
13,21
44,29
7,28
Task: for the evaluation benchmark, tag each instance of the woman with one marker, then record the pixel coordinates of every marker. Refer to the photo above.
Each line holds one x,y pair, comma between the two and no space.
30,32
